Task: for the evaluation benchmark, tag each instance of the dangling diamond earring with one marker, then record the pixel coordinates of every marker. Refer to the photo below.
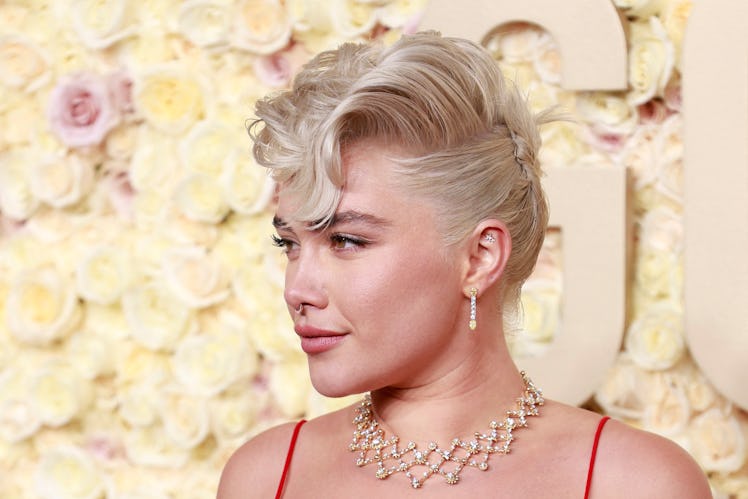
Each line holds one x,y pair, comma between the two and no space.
473,308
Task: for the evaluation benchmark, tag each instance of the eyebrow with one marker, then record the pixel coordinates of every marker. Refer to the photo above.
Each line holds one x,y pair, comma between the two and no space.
343,217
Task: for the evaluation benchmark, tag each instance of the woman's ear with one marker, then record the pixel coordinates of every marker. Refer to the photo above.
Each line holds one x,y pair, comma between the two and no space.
488,249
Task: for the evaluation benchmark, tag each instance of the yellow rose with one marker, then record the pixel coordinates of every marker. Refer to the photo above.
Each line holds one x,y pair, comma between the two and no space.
17,201
171,99
232,416
655,340
45,307
210,148
58,393
22,64
201,198
248,188
185,418
290,385
156,319
100,23
717,441
261,26
651,59
623,394
205,23
68,473
103,274
674,17
208,364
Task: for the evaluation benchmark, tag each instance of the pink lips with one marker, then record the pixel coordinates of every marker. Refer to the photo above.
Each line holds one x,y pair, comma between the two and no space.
315,340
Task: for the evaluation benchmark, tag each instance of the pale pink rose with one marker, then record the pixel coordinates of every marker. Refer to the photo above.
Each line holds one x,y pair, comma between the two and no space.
81,111
653,111
278,69
673,94
120,89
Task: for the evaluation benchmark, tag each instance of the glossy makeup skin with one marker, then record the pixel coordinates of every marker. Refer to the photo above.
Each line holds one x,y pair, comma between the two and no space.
368,284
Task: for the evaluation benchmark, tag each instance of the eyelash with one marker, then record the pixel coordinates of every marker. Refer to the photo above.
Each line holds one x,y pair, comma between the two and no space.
335,239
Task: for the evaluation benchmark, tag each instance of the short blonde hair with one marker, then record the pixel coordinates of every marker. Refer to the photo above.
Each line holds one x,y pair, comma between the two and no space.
471,143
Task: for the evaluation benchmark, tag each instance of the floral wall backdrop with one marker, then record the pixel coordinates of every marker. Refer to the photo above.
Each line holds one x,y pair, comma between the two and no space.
142,332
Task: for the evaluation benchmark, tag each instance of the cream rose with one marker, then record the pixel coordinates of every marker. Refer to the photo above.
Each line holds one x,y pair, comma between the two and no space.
651,59
195,277
210,148
662,230
640,8
519,43
607,113
290,385
51,226
68,473
248,188
92,355
45,307
104,274
17,201
206,23
186,419
717,441
278,69
201,198
170,98
668,410
655,340
101,23
138,405
623,394
674,17
81,111
656,273
150,446
547,61
261,26
62,182
208,364
561,144
402,13
351,18
148,168
156,318
58,394
22,64
18,420
121,142
232,416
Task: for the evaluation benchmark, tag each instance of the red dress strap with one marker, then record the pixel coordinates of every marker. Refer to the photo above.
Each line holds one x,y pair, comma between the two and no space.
593,455
289,455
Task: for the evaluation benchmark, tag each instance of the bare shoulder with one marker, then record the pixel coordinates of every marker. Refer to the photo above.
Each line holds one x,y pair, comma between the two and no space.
635,463
256,467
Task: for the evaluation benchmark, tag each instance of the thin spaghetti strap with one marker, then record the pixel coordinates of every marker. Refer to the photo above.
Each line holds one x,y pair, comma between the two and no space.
289,455
593,455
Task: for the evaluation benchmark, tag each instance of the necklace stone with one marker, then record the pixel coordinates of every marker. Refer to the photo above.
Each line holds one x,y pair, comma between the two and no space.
373,446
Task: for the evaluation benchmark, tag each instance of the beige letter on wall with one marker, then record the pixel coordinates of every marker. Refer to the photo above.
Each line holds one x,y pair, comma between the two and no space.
589,33
715,107
589,205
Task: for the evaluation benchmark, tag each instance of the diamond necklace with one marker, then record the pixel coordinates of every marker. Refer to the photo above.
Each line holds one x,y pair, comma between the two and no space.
373,446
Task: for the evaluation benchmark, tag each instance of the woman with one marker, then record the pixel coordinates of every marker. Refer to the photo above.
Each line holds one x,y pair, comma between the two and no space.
411,212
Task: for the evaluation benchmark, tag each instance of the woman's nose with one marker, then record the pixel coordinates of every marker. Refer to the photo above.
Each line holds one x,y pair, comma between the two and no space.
305,282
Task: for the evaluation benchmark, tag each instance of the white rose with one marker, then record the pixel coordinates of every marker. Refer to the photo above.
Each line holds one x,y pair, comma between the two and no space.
640,8
623,394
22,64
171,98
103,274
700,392
717,441
186,419
233,415
92,355
138,405
662,230
151,446
561,144
520,43
290,385
209,148
668,410
156,319
655,340
309,15
402,13
547,60
58,394
351,18
106,321
122,141
200,197
17,201
674,17
608,113
18,420
45,307
184,231
208,364
100,23
195,277
62,182
248,188
50,226
651,59
68,473
261,26
657,274
205,23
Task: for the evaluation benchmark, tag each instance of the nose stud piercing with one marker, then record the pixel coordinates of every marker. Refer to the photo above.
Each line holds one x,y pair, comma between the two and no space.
299,308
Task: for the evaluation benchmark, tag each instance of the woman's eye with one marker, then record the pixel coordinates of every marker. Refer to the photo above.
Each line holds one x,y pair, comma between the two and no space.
341,242
280,242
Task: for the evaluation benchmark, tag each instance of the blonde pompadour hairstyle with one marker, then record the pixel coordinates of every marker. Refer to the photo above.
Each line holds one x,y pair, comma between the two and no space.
469,139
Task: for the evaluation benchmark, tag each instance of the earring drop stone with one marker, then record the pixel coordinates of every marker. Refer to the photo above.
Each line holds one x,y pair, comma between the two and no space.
473,309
